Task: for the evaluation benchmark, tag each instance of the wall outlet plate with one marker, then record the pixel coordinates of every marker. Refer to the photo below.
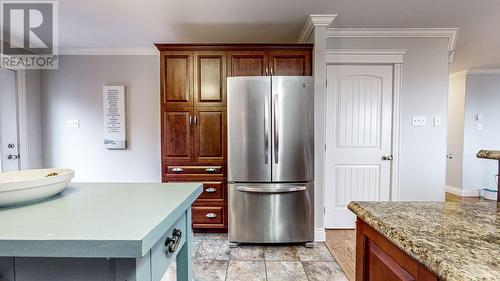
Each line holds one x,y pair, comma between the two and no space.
73,123
418,121
437,121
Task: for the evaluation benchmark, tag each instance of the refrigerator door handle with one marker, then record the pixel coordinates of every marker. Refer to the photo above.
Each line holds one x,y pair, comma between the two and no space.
270,189
266,131
276,130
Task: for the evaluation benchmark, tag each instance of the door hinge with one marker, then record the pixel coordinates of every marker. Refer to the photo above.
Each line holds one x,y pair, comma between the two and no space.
324,210
325,146
326,83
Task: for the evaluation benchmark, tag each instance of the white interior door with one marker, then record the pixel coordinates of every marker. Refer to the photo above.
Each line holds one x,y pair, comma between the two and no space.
9,140
358,139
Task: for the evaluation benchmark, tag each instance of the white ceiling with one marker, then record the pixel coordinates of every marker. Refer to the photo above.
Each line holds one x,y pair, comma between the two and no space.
134,23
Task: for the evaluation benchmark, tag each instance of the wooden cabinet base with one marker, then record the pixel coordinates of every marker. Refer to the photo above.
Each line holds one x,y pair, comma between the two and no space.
378,259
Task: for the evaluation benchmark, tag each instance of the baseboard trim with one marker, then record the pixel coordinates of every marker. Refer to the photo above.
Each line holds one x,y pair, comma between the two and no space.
463,192
319,235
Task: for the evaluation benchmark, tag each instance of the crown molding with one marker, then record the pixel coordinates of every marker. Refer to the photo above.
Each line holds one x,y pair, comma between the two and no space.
313,21
148,51
450,33
484,71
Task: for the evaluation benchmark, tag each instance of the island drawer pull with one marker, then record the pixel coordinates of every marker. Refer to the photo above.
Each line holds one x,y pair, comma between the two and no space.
173,243
211,190
211,170
211,215
177,170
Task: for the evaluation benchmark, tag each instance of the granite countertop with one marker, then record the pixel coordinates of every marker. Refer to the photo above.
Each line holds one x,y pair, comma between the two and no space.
95,220
456,241
489,154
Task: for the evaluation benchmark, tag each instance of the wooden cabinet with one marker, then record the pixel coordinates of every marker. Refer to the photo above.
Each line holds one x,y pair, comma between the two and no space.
193,112
378,259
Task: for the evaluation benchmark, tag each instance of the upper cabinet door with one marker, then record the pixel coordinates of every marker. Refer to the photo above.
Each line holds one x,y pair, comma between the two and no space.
210,138
248,63
176,78
210,78
290,63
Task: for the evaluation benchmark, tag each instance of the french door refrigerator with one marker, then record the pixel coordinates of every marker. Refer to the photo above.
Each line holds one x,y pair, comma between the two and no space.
270,159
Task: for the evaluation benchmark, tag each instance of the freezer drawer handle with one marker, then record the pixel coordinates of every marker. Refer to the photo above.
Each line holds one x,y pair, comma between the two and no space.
177,170
211,190
211,215
271,190
211,170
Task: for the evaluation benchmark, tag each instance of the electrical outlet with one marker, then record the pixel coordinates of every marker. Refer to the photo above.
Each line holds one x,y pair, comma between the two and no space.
418,121
437,121
73,124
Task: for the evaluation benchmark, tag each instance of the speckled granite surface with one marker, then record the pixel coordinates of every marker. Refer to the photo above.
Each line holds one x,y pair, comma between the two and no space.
456,241
489,154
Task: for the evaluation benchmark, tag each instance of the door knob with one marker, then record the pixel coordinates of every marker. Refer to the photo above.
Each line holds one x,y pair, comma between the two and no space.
387,157
450,156
13,157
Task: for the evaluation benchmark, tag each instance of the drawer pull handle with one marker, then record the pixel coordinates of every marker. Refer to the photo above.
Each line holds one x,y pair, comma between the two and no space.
211,190
173,243
177,170
211,170
211,215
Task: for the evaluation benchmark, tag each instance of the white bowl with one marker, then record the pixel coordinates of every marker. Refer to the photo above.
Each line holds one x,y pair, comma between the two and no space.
32,185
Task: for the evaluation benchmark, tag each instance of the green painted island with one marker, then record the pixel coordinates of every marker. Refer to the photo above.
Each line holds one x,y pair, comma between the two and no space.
100,231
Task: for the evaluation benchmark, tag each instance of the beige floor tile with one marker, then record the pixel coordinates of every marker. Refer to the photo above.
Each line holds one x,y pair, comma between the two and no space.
318,253
321,271
246,271
247,253
210,270
212,249
281,253
285,270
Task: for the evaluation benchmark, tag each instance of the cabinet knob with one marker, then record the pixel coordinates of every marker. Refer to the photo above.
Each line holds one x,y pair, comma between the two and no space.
210,170
177,170
210,190
211,215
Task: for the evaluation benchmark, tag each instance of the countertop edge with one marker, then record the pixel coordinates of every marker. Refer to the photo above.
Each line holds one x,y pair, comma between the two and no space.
395,237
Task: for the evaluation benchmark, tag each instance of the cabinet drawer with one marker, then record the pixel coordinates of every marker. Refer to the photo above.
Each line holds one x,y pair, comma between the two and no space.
208,216
213,190
194,170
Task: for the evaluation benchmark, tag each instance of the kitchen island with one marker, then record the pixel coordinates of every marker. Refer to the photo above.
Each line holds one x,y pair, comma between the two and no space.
427,240
100,232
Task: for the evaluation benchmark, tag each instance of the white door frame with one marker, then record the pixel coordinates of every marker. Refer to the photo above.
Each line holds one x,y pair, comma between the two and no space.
392,57
22,117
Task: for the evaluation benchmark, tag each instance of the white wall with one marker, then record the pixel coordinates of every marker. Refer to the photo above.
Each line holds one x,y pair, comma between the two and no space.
482,97
74,91
456,110
424,93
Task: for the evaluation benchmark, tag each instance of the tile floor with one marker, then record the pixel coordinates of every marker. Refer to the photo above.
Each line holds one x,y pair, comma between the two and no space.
215,261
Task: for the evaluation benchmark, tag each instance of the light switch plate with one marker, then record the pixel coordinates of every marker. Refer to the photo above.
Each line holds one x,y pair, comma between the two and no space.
73,124
437,121
418,121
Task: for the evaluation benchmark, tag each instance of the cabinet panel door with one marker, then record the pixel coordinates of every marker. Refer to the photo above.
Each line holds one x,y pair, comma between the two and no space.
210,78
177,136
290,63
176,78
210,135
248,63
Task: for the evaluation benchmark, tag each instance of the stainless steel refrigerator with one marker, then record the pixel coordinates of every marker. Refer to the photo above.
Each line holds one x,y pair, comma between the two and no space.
270,159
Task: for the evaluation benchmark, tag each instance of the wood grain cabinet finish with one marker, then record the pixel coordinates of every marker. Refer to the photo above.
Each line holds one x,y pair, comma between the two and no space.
290,63
210,78
378,259
193,100
248,63
176,78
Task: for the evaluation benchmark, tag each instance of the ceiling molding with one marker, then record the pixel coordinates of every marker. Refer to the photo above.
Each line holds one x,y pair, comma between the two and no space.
313,21
148,51
484,71
450,33
365,55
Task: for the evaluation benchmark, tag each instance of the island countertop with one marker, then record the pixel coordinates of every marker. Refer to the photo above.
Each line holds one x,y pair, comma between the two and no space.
456,241
95,220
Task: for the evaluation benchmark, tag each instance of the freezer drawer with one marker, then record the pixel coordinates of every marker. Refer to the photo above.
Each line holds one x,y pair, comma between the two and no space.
271,213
